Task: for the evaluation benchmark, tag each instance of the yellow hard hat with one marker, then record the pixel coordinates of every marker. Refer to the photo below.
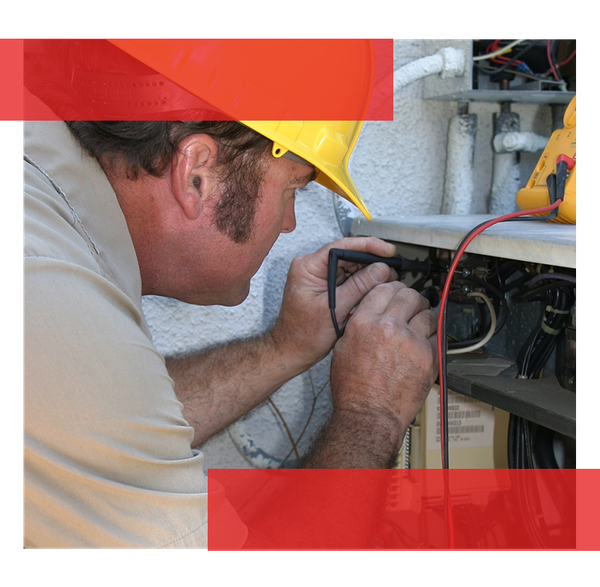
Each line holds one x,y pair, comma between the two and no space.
238,78
325,144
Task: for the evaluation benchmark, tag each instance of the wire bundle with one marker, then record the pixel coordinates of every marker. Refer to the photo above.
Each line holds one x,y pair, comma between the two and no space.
558,297
495,60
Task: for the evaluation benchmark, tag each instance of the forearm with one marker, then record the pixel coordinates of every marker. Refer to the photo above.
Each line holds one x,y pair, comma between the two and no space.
355,440
221,385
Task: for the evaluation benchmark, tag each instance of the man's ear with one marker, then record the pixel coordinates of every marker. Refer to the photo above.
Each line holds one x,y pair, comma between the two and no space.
191,173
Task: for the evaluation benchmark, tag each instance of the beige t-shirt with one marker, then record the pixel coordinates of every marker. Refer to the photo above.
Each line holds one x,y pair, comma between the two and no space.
108,460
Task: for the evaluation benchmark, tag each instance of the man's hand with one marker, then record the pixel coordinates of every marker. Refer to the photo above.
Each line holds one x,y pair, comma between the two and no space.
304,327
381,372
386,362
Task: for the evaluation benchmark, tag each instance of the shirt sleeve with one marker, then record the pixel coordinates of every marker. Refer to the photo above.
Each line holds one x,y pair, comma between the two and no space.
108,457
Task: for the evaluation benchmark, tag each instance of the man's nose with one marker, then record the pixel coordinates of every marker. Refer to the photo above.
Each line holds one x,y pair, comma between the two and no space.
289,219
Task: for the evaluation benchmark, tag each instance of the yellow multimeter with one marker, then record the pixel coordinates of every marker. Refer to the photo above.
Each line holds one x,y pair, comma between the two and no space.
535,193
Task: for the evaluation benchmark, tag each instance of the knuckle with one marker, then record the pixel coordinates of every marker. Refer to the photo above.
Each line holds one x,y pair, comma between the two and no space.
410,295
390,288
298,262
360,322
387,331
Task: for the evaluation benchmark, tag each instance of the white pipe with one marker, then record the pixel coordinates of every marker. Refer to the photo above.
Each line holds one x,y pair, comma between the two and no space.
447,62
530,142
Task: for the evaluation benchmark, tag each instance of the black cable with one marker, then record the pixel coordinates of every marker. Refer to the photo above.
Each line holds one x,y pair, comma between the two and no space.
511,448
543,449
398,263
542,341
443,329
335,323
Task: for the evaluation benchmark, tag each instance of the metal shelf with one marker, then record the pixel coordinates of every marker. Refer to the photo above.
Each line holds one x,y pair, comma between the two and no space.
491,379
536,242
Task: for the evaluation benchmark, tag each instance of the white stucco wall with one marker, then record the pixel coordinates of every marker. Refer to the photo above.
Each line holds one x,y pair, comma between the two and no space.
398,168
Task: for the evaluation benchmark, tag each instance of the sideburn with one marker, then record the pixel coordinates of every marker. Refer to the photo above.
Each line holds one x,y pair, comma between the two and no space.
239,198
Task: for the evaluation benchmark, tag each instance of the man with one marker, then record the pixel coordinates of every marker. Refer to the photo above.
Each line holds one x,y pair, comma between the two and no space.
112,214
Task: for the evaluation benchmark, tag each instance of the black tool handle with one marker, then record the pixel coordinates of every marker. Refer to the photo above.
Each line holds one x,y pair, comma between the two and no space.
366,259
397,263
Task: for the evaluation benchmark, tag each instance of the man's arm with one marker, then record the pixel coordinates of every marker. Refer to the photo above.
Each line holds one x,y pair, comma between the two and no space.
221,385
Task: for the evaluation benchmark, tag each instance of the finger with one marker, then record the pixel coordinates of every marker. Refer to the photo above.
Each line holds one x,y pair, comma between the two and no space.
350,268
424,323
365,244
377,298
344,272
359,284
369,244
407,303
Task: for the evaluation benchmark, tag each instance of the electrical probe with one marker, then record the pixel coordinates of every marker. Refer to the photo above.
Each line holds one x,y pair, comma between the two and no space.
398,263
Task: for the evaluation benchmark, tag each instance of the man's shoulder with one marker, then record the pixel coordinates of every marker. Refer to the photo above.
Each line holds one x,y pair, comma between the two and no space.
71,211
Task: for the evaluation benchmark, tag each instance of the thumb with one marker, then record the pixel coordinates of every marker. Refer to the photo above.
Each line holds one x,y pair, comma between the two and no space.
380,273
359,284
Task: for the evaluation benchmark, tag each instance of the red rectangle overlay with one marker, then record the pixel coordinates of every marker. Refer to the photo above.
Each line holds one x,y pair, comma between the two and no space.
588,509
11,97
400,510
200,79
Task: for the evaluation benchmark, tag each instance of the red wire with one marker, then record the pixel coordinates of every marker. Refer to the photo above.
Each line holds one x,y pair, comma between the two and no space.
446,290
503,59
566,60
493,46
548,52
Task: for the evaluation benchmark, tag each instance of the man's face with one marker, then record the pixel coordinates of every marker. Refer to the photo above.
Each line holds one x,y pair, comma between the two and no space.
218,270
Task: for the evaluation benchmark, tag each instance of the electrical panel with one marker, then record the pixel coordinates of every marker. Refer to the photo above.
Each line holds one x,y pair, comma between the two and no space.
522,381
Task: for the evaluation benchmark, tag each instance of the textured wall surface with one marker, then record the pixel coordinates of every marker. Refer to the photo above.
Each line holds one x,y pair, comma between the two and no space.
398,168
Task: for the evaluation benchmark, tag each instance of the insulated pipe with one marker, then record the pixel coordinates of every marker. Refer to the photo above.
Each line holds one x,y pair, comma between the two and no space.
447,62
458,181
506,174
